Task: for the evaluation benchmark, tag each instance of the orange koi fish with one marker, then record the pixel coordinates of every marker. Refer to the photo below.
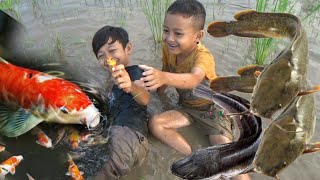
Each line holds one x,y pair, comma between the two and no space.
10,165
74,138
43,139
28,97
74,171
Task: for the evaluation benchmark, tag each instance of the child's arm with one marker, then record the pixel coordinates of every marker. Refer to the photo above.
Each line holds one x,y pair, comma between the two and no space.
123,80
155,78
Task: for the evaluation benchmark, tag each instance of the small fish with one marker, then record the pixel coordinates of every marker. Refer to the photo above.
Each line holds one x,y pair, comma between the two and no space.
29,97
223,160
73,170
282,80
111,62
43,139
10,165
74,138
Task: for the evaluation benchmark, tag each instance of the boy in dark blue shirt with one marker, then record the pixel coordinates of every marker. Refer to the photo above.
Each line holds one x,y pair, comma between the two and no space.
127,145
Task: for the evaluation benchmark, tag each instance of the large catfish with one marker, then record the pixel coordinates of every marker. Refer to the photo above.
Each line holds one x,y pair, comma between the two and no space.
287,137
281,80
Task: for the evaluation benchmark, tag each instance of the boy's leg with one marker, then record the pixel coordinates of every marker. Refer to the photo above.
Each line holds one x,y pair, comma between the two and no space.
126,149
163,126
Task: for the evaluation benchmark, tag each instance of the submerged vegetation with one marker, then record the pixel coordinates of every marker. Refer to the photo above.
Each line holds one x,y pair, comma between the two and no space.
154,10
263,47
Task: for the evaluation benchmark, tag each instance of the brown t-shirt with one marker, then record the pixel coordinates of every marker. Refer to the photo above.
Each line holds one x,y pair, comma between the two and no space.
201,58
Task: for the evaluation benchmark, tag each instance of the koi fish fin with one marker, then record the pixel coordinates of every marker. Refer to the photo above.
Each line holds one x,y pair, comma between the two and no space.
16,123
313,90
12,170
68,174
218,29
233,83
310,148
249,70
246,14
81,172
3,61
29,177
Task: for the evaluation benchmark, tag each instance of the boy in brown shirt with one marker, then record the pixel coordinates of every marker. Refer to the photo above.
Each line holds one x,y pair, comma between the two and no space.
186,65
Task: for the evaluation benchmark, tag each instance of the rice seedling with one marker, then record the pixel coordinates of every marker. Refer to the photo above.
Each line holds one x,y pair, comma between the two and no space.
9,7
265,46
154,11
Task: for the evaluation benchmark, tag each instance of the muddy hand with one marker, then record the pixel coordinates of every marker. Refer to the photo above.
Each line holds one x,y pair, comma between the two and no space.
122,78
153,78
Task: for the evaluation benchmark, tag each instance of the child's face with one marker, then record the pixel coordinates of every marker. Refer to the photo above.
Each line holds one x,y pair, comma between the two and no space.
180,35
115,51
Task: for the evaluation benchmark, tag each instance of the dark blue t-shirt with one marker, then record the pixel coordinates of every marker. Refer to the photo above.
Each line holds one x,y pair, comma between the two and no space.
124,110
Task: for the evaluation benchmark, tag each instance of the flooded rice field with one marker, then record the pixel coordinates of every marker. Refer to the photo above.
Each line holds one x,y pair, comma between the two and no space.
66,28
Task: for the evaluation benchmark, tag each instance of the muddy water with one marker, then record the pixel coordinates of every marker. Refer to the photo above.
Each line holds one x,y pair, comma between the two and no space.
72,23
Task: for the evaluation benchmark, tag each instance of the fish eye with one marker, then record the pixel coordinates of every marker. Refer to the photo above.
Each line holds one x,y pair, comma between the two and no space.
64,110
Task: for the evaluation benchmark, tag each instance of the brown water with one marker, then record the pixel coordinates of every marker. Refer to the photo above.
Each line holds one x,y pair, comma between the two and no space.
74,22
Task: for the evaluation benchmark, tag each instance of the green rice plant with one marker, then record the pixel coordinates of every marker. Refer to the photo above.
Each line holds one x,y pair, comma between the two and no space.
155,10
265,46
9,6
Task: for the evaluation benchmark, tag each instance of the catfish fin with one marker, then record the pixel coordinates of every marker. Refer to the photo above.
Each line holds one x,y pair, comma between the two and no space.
246,14
310,148
218,29
249,70
311,91
233,83
16,123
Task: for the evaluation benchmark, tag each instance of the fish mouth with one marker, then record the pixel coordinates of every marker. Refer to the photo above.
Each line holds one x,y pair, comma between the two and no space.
94,122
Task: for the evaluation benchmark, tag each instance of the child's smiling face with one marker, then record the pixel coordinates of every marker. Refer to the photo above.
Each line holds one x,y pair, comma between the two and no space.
180,34
115,51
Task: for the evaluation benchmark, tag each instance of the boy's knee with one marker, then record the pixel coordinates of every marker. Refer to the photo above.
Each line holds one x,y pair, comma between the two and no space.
155,125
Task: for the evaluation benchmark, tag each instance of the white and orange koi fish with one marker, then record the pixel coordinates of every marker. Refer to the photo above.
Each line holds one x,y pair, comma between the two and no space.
73,170
42,138
28,97
10,165
2,148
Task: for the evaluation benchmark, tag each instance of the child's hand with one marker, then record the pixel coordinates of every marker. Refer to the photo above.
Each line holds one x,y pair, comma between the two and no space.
122,78
153,79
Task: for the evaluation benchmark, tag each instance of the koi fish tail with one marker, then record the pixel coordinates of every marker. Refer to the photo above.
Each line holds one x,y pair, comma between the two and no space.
15,123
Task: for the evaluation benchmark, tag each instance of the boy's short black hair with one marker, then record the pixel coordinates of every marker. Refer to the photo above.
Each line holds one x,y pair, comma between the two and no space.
102,36
189,8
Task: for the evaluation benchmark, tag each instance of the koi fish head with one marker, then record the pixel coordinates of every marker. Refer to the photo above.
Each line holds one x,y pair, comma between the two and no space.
64,102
